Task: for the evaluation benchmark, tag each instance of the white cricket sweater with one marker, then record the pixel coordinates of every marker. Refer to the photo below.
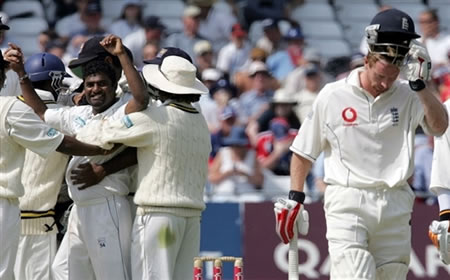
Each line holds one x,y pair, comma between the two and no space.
11,155
173,144
41,179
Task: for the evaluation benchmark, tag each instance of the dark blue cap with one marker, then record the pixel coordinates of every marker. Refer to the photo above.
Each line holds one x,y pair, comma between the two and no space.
395,21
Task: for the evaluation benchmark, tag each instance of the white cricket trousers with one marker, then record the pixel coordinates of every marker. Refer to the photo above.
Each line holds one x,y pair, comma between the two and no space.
97,243
375,220
9,236
163,246
35,256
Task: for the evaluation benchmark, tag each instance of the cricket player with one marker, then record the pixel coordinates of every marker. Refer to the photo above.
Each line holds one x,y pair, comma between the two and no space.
20,129
440,184
365,125
173,146
41,179
97,242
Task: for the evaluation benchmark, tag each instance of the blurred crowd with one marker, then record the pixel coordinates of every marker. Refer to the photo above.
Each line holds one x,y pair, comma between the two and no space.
260,90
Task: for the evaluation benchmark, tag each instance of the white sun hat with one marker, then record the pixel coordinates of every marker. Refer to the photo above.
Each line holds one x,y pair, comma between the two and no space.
175,75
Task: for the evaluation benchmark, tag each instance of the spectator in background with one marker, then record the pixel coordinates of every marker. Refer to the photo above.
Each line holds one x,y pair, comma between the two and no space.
45,37
436,41
76,22
204,56
254,102
223,94
423,158
282,62
130,19
227,119
150,51
187,38
235,173
93,27
356,61
273,145
295,81
215,21
234,55
151,32
272,40
306,97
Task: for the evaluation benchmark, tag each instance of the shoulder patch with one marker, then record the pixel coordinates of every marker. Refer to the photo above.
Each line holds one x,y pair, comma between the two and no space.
127,121
51,132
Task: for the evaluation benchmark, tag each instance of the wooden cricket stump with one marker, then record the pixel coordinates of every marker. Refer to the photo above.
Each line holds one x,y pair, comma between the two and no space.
238,273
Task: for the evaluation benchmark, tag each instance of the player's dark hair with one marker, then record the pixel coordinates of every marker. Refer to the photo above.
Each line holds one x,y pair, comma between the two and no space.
99,66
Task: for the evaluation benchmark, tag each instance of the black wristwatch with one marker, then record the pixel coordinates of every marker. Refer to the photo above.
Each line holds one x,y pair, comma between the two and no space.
417,85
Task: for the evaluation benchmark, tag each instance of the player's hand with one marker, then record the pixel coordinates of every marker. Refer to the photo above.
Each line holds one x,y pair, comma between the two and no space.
290,215
87,174
113,44
418,64
439,235
14,56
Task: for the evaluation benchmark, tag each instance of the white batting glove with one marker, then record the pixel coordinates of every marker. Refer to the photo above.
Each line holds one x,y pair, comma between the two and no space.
418,63
439,235
290,215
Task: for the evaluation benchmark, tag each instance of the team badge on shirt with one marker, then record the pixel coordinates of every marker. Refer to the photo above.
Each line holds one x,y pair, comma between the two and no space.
349,116
395,116
51,132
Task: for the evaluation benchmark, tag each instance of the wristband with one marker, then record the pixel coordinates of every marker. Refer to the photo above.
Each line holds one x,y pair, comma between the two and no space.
297,196
444,215
418,85
23,78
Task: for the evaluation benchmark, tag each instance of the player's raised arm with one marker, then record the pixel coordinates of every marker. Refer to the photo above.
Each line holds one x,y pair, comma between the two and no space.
139,102
15,58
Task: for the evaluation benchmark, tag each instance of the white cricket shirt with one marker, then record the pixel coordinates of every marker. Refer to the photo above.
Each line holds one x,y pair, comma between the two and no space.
440,177
71,120
367,141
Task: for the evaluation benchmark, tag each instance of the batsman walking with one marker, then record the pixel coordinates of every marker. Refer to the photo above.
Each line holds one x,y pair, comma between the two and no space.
365,125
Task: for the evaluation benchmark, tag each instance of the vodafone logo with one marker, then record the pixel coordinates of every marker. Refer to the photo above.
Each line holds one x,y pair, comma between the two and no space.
349,115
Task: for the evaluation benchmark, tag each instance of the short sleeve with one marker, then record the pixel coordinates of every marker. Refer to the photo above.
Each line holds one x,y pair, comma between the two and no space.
60,119
310,139
29,131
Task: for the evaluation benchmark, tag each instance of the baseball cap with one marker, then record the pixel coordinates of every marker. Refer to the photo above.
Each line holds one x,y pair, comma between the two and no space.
294,33
153,22
283,97
3,21
395,21
279,128
191,11
168,51
224,84
211,74
311,55
93,7
311,70
257,67
202,47
269,23
238,31
237,137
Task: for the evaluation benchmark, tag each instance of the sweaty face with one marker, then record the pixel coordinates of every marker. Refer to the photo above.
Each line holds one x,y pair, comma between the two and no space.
381,75
100,92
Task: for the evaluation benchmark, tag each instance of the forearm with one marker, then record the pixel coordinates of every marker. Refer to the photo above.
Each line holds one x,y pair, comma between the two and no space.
72,146
271,161
30,96
125,159
136,85
300,167
436,116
